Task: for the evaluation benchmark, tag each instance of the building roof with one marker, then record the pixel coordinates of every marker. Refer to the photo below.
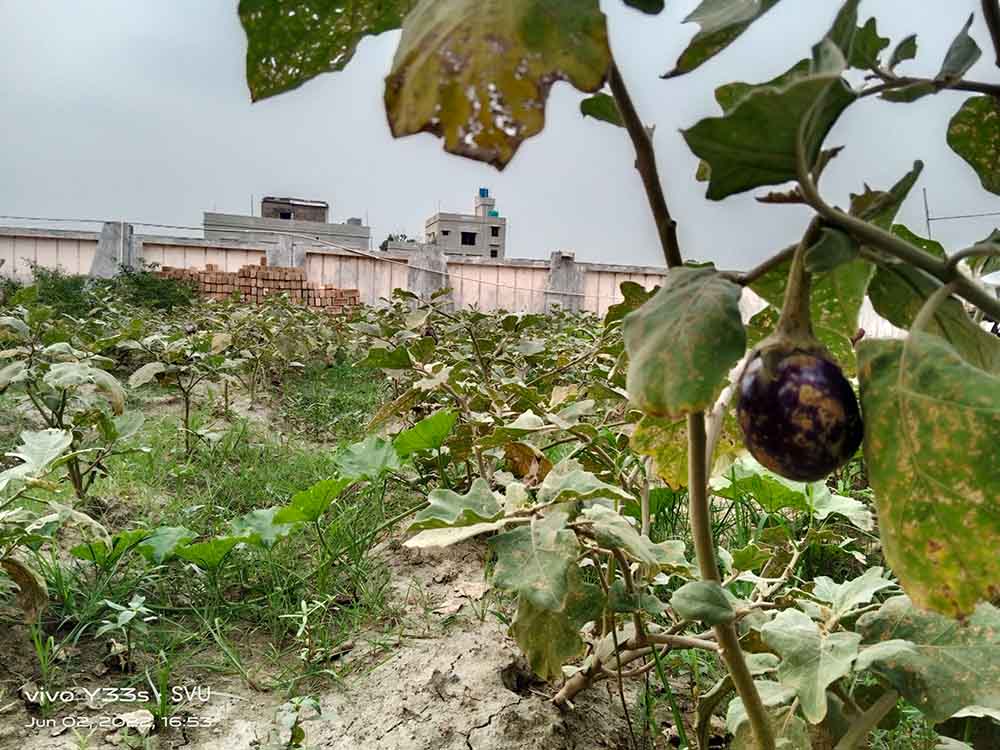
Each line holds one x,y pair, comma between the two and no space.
297,201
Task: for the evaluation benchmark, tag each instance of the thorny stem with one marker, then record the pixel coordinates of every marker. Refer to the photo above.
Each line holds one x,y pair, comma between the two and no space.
701,527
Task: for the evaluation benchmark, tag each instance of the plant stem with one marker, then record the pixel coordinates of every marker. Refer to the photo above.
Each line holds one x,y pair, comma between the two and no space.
991,13
697,443
701,530
887,242
645,162
868,721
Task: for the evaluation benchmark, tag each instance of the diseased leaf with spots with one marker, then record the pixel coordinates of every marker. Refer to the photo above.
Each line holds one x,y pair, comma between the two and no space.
899,291
613,531
550,638
536,560
568,481
946,666
448,508
477,73
683,342
810,659
932,426
755,143
721,23
973,134
292,41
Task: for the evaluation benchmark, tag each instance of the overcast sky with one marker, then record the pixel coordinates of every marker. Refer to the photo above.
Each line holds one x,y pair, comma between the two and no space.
138,110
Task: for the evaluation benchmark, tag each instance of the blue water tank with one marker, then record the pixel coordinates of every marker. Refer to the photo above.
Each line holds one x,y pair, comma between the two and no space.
484,192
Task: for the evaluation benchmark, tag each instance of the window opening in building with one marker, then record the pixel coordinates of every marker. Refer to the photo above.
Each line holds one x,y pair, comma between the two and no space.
493,252
495,231
469,238
284,214
445,232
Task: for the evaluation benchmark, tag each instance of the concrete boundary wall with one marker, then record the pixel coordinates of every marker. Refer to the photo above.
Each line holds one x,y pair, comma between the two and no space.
518,285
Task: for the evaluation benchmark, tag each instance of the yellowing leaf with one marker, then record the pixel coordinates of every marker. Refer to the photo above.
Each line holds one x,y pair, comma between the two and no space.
932,427
477,73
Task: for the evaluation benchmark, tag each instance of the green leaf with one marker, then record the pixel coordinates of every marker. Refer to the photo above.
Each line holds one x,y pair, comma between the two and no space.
448,535
161,545
448,508
646,6
810,660
108,385
14,325
477,72
634,296
309,505
37,451
369,459
834,248
931,246
208,555
750,557
961,56
291,41
683,342
867,46
826,504
602,107
387,359
665,441
620,600
790,731
535,561
567,481
259,527
898,291
426,435
755,144
613,531
932,424
948,666
844,597
705,601
722,22
550,638
146,373
973,133
905,50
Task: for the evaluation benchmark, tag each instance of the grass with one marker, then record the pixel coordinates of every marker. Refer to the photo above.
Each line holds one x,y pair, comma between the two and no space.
330,403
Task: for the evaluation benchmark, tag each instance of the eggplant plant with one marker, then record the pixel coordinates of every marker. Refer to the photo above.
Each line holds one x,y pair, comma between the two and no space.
477,74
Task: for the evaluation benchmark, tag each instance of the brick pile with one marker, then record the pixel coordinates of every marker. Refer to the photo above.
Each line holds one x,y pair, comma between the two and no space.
255,283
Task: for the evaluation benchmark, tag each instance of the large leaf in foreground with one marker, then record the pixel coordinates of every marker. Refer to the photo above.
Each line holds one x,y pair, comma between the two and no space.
448,508
810,660
478,72
722,22
37,451
427,434
932,427
944,665
369,459
755,143
291,41
973,134
536,560
683,342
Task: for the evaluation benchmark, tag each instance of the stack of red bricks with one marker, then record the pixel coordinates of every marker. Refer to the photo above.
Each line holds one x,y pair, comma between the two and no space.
254,283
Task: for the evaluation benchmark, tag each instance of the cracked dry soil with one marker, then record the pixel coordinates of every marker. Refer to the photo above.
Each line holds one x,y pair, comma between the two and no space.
456,682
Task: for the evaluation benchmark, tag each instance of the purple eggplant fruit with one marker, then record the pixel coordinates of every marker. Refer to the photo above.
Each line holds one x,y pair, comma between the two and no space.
798,413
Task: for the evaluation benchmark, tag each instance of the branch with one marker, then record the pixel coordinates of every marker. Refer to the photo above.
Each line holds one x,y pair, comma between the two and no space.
645,162
874,236
991,12
749,277
868,721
